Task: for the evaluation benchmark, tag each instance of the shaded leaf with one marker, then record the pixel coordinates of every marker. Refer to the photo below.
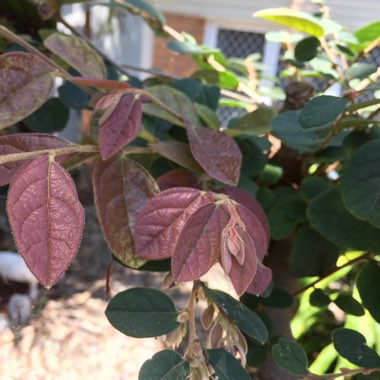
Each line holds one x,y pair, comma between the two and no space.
159,222
207,115
290,356
247,321
51,117
73,97
26,142
120,127
321,111
199,244
254,123
261,281
164,365
177,152
352,346
369,289
142,313
26,83
226,367
361,183
306,49
294,19
279,298
254,160
46,218
217,153
177,101
176,178
312,254
359,70
349,305
312,186
319,298
329,217
121,188
78,54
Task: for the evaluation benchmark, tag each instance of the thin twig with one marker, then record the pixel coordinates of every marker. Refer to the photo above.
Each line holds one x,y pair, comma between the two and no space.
344,372
56,152
365,256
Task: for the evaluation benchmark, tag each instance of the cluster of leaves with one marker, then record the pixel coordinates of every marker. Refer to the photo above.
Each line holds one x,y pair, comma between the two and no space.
165,176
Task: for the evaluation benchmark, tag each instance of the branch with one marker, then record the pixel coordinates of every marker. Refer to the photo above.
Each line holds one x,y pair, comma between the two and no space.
364,257
344,372
56,152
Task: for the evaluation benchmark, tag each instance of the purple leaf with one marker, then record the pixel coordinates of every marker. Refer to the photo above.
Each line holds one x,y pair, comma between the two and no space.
176,178
26,142
261,280
217,153
161,220
46,218
121,188
26,83
199,244
120,127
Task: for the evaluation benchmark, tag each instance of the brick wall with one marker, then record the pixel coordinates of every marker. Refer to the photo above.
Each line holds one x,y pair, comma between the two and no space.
173,63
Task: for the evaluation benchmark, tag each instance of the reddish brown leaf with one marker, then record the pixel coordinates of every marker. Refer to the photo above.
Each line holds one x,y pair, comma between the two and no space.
176,178
46,218
241,275
121,188
255,230
26,142
161,220
121,127
199,244
78,54
26,82
179,153
217,153
261,281
246,199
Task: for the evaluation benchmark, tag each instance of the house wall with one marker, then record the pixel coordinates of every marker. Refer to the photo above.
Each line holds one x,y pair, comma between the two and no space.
237,14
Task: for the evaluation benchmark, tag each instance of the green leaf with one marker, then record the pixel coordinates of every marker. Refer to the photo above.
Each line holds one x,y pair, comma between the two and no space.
321,111
352,346
165,365
207,115
312,254
287,128
176,101
186,47
254,159
329,217
369,288
254,123
298,20
349,305
226,367
73,97
319,298
247,321
367,34
279,298
306,49
361,183
359,70
51,117
311,186
142,313
290,356
270,174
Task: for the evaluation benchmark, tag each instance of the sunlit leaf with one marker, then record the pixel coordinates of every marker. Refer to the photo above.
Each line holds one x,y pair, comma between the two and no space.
78,54
26,83
217,153
367,35
295,19
46,218
121,188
